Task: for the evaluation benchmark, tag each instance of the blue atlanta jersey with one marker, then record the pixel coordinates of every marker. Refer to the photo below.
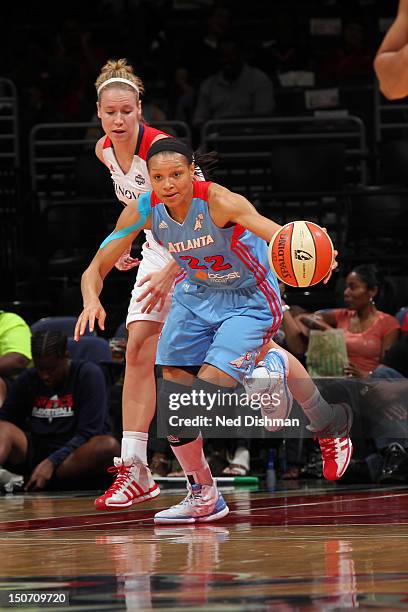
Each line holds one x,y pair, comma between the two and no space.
219,258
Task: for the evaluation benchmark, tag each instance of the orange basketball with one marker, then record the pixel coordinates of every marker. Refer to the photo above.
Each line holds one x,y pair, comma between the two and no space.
301,254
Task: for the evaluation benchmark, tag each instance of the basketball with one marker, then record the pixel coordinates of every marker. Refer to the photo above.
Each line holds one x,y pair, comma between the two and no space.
301,254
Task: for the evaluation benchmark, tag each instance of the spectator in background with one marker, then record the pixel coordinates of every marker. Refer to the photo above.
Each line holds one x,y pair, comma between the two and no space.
63,406
15,349
77,59
182,96
192,68
352,61
204,60
153,110
236,90
285,50
391,61
369,332
377,355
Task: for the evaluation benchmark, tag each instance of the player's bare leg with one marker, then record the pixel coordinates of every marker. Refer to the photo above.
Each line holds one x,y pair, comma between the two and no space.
133,482
203,503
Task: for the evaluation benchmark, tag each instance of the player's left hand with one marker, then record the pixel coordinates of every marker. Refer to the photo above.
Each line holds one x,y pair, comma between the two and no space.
40,476
126,262
157,286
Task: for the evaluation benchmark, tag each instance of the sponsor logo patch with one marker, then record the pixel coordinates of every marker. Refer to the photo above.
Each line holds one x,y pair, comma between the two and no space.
217,278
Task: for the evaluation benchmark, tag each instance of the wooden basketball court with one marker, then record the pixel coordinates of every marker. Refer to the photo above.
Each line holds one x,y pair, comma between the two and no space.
316,546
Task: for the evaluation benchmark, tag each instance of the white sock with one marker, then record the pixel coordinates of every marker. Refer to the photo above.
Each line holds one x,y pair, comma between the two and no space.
134,444
192,459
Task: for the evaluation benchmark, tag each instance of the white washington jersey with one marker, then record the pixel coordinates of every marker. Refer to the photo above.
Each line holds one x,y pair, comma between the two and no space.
128,187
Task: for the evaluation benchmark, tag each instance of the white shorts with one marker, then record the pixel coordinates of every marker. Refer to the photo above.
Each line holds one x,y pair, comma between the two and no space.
154,258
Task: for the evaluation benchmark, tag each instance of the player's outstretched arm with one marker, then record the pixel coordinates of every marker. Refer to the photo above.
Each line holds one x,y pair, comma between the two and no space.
229,207
131,221
391,61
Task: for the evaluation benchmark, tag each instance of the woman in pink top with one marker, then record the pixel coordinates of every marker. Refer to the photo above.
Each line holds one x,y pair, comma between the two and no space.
369,332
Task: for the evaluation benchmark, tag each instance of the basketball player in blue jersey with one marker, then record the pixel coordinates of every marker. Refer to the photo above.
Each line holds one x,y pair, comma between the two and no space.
226,306
123,151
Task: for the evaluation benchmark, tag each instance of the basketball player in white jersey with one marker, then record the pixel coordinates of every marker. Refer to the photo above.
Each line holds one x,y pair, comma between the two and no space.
123,150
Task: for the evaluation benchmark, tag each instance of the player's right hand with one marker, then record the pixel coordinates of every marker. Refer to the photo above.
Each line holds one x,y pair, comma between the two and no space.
90,314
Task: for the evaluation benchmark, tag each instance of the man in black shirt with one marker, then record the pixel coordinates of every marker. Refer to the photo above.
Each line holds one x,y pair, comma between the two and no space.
55,417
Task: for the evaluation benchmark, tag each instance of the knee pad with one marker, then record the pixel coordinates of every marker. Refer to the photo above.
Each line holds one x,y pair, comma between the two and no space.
216,400
175,413
174,441
182,411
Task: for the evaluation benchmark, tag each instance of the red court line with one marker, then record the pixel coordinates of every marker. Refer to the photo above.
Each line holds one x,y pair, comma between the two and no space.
342,509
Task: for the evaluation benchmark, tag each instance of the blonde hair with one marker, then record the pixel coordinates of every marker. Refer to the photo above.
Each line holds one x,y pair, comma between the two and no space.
119,69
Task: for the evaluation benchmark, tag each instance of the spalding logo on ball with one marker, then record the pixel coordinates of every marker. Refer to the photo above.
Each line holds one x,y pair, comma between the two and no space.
301,254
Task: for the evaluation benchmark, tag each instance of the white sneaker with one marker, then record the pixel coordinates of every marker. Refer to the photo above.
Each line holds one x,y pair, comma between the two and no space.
269,382
10,482
133,484
203,504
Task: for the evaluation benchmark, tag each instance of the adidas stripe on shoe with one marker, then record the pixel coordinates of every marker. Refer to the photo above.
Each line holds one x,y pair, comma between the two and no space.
133,484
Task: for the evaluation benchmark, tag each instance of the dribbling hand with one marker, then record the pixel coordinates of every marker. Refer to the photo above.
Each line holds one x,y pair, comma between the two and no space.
91,313
333,267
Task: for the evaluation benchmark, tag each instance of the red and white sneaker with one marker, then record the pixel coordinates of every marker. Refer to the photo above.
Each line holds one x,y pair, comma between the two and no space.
337,451
133,484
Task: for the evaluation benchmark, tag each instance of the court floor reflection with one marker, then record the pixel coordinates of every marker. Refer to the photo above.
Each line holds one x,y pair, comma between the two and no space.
311,549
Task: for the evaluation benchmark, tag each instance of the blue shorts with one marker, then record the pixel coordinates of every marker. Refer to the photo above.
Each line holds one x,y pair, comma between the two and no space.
224,328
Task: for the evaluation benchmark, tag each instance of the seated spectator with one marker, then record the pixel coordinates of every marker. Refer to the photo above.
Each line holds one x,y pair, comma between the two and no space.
236,90
55,419
205,60
284,50
152,109
382,409
352,61
375,353
15,349
387,407
369,332
182,95
192,68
